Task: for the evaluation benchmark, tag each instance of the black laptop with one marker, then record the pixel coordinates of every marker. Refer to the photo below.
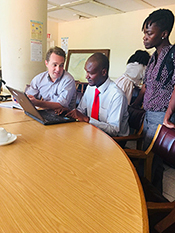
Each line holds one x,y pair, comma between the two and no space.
46,117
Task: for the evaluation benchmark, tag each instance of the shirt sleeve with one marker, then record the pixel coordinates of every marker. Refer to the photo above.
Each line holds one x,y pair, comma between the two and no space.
66,93
32,89
117,118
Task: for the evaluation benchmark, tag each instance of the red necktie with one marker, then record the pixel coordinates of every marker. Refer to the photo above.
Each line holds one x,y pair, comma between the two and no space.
95,106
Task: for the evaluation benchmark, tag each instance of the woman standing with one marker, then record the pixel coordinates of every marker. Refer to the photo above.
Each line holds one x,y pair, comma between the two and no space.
158,92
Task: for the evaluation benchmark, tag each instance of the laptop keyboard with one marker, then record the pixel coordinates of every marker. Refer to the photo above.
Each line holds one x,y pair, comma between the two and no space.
50,115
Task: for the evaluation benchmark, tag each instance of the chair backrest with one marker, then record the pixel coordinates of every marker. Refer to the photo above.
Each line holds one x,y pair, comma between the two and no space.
81,86
164,145
136,117
135,93
80,89
79,95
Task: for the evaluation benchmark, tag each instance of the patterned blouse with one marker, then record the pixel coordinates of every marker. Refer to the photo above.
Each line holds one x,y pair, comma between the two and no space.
159,82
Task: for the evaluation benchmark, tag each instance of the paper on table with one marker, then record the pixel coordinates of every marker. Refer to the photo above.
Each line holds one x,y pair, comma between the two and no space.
10,104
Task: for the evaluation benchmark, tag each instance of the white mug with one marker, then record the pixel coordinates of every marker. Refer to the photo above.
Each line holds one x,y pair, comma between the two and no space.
4,135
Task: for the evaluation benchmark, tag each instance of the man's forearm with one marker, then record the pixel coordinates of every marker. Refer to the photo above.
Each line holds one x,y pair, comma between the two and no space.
47,104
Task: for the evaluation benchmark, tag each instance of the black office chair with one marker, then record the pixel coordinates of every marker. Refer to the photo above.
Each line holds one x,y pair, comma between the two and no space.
136,117
80,89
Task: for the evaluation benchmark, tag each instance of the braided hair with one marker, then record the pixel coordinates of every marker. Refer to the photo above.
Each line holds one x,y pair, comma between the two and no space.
163,18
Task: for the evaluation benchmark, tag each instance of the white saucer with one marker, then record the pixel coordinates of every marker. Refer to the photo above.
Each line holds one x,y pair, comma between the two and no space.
10,140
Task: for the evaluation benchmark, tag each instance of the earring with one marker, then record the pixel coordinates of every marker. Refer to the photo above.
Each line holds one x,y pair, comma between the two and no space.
163,38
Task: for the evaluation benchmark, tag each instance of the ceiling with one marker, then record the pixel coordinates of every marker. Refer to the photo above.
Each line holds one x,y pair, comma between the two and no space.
69,10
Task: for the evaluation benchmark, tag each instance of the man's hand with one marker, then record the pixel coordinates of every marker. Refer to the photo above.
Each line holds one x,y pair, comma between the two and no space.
78,116
33,99
60,110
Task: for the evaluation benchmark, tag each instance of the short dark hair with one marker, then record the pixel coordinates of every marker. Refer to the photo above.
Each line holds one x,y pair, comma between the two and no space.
57,50
163,18
140,56
101,59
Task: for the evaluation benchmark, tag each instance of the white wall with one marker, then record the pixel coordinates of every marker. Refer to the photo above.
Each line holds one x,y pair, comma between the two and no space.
52,29
0,54
18,68
121,33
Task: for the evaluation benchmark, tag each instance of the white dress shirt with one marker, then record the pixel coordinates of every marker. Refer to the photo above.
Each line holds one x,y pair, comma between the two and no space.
113,114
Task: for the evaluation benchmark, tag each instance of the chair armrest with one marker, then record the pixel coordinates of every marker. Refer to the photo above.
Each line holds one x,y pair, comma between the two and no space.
132,137
166,222
160,206
139,154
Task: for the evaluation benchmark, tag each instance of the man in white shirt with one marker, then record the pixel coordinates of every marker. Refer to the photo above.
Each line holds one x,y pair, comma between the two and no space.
113,115
55,88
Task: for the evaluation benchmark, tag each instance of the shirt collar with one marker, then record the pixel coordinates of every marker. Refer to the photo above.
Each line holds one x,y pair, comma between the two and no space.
58,79
104,86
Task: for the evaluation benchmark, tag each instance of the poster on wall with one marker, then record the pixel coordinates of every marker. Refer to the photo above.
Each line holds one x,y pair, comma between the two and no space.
36,29
36,34
36,51
64,44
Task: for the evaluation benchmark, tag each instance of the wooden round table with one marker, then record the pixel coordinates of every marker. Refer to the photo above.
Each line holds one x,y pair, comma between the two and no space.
69,178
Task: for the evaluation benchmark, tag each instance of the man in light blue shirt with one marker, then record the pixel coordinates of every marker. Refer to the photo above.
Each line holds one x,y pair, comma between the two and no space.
55,88
113,114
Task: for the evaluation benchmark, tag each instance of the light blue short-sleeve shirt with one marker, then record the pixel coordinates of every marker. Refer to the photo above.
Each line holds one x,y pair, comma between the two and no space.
62,91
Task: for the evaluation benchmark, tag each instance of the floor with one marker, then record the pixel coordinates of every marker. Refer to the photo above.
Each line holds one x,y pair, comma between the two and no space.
168,178
169,183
